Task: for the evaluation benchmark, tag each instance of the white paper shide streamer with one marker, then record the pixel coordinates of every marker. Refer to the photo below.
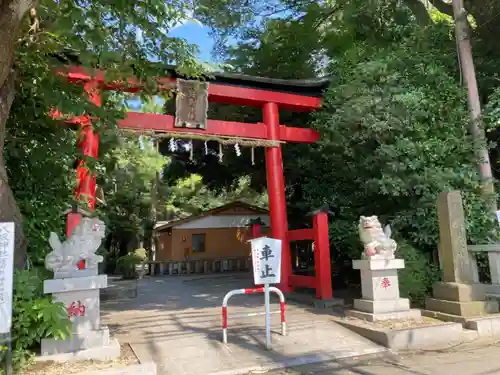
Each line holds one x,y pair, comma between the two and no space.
172,145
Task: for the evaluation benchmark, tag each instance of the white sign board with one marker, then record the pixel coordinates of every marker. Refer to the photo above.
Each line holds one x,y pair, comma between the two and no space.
498,216
6,275
266,259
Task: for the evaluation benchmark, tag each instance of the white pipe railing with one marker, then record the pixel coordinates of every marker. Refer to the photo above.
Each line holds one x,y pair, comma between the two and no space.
251,291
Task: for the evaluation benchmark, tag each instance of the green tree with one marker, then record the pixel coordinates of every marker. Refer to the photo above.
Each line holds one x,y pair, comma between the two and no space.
129,172
392,140
190,196
118,36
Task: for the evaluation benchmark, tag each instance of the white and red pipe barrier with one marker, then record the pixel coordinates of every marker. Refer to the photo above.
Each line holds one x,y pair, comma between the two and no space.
251,291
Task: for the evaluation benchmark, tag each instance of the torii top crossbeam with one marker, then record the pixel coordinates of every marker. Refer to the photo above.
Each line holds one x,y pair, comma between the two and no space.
236,89
268,94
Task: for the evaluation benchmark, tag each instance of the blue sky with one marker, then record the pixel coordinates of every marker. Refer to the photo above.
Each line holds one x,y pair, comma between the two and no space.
196,34
193,33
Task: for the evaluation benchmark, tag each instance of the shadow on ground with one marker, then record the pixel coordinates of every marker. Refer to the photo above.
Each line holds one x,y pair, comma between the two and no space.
176,321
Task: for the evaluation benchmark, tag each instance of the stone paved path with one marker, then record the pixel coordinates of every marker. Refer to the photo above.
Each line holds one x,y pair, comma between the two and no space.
475,358
176,322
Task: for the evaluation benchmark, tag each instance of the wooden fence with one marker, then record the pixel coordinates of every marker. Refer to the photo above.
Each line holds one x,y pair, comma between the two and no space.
200,266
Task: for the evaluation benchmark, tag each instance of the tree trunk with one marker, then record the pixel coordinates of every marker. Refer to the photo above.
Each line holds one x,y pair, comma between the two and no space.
462,30
11,15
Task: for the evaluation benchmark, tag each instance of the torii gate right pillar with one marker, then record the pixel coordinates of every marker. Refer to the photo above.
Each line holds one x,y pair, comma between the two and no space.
276,192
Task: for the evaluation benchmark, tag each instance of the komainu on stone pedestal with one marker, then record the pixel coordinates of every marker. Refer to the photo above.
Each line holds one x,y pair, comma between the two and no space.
377,243
80,246
77,285
379,276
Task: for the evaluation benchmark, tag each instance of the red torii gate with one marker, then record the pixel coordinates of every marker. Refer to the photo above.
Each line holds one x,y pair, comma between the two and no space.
268,94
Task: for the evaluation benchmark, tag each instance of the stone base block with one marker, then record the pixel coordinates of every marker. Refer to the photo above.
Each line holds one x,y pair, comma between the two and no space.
78,341
380,307
88,272
458,292
412,338
311,300
378,264
75,284
86,309
396,315
443,316
492,291
328,303
466,309
485,327
103,353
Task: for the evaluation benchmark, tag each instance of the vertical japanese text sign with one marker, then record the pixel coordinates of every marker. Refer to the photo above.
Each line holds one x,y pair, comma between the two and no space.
266,259
6,275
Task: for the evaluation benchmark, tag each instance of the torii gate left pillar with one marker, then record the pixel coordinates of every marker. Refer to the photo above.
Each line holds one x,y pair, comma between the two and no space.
89,145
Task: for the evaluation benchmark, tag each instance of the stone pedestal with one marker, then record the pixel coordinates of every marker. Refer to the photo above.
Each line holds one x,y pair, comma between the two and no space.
77,285
89,340
458,297
457,301
380,292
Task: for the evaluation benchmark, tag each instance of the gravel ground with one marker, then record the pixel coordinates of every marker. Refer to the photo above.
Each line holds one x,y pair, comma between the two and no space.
127,358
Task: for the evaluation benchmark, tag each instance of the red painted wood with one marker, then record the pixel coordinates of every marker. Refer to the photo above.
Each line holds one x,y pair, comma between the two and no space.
299,281
86,185
276,192
256,230
322,256
165,123
300,234
217,93
254,97
89,144
72,220
298,135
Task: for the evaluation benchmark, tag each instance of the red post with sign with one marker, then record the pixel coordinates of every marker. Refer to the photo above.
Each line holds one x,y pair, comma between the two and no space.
322,256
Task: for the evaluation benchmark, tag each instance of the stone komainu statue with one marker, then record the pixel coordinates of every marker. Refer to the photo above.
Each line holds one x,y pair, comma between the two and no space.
378,243
80,246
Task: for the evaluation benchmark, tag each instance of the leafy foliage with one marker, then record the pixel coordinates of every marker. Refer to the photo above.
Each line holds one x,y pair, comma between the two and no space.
35,317
418,276
391,142
190,196
127,263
